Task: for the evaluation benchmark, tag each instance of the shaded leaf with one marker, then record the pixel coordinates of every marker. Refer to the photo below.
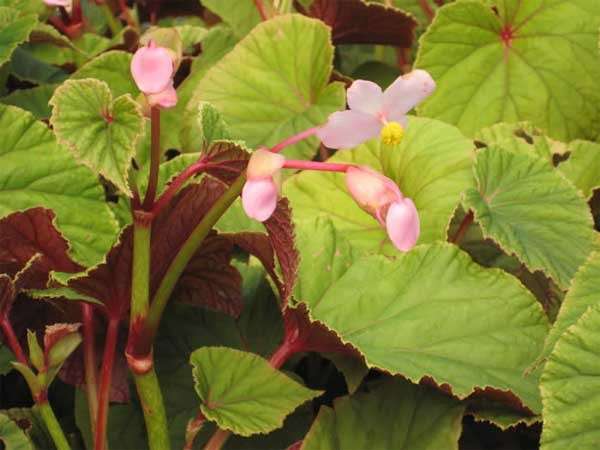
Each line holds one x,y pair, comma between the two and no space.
34,100
14,29
12,436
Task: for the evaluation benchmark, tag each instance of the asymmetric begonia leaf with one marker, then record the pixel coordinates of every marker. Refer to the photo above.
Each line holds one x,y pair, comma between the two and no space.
583,166
584,292
405,324
394,415
431,166
295,54
38,172
255,398
12,436
112,68
101,132
14,29
528,208
487,64
570,387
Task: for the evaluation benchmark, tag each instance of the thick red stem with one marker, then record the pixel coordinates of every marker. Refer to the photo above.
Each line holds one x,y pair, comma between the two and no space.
282,354
11,339
154,157
110,345
316,165
176,184
261,9
294,139
426,7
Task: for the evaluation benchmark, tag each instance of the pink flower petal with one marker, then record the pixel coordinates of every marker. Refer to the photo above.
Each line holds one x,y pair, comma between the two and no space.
152,69
365,96
406,92
259,198
164,99
264,164
347,129
402,224
371,190
63,3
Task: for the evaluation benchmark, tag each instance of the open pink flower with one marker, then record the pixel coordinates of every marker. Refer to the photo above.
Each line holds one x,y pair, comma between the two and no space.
381,197
373,112
261,191
152,69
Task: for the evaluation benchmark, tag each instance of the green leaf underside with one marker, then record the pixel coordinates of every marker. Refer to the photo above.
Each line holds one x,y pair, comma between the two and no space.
570,387
583,166
528,208
431,166
12,436
405,324
294,54
255,398
583,293
36,171
101,132
14,30
395,415
483,79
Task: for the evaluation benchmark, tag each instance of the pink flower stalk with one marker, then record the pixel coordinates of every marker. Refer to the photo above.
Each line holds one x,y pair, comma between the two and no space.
152,68
261,191
373,112
381,197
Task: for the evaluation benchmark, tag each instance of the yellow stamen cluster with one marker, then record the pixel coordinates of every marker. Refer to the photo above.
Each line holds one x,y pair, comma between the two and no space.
392,133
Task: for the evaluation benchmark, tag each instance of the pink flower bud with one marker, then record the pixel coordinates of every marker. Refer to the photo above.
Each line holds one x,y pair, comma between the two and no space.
164,99
373,112
152,69
381,197
402,224
261,191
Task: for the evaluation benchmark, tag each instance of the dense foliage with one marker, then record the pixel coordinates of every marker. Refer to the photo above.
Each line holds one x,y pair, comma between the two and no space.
219,228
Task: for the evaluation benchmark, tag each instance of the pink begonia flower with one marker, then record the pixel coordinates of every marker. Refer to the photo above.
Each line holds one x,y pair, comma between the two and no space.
381,197
261,191
152,69
164,99
64,3
373,112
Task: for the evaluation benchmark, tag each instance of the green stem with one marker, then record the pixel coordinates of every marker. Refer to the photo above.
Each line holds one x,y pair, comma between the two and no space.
56,432
111,20
90,366
187,251
155,417
140,282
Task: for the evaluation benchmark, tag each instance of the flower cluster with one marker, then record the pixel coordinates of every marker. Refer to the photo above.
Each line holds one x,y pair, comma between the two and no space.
153,69
371,113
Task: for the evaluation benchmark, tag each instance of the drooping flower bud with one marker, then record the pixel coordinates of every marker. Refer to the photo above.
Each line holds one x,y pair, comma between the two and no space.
381,197
152,69
373,112
261,191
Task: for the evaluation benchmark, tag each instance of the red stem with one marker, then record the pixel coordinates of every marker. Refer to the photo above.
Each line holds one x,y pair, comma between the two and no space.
426,7
281,355
76,12
294,139
110,345
12,341
316,165
176,184
462,229
154,157
261,9
89,358
192,430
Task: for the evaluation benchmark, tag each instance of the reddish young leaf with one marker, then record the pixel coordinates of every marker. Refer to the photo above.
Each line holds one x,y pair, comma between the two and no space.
210,280
23,235
356,22
56,332
225,160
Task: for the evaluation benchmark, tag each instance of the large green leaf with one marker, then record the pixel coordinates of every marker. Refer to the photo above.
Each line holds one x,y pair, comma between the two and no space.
431,166
101,132
253,398
112,68
395,415
14,29
241,15
36,171
583,166
484,78
418,316
570,387
528,208
294,54
12,436
583,293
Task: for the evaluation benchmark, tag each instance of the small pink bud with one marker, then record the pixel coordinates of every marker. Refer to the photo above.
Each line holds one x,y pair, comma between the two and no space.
402,224
152,69
164,99
371,190
261,191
